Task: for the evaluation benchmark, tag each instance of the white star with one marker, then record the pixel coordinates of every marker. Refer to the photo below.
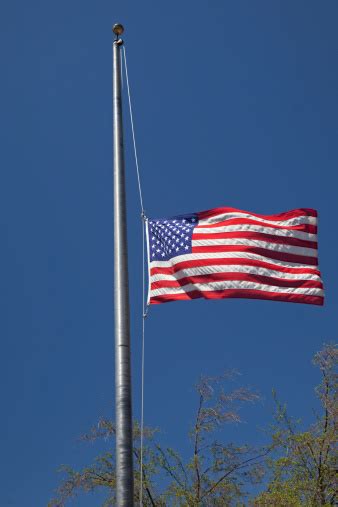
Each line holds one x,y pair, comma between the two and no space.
187,238
177,240
158,250
163,254
186,247
177,249
153,246
182,244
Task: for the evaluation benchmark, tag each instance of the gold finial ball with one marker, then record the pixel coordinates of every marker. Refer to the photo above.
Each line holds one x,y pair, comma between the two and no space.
118,29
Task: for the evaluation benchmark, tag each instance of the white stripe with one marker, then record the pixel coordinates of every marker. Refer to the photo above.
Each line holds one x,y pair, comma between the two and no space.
276,247
228,255
257,228
237,285
209,270
303,219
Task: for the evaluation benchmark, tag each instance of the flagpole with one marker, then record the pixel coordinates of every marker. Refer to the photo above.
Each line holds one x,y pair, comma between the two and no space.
123,412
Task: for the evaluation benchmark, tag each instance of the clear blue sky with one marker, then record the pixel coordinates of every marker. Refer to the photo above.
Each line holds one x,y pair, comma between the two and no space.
235,104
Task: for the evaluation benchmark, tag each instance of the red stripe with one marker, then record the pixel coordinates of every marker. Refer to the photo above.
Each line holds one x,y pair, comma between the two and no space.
229,262
248,277
281,216
312,229
232,293
271,238
281,256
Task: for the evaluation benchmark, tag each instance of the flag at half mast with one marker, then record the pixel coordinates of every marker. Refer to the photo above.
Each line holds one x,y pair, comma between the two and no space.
230,253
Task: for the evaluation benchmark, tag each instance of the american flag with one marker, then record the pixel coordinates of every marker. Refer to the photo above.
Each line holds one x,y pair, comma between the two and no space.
230,253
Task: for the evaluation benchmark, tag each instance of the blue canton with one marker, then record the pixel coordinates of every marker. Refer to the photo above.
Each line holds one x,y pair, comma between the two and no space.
169,237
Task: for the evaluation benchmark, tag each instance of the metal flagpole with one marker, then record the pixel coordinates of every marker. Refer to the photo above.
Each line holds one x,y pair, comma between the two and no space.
123,415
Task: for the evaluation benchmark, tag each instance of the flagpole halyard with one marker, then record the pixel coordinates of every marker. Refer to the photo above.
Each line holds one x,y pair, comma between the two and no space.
123,399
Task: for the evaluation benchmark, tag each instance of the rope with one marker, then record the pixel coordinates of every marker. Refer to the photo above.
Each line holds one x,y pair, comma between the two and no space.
145,311
144,302
133,132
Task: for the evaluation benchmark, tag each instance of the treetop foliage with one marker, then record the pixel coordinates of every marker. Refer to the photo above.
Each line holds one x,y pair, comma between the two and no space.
296,468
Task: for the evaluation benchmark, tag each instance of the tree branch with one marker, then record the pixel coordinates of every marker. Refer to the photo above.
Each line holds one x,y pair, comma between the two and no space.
196,450
145,480
233,469
168,468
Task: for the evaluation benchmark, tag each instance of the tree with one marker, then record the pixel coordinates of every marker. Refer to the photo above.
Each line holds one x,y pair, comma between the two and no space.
296,469
303,467
101,474
215,474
